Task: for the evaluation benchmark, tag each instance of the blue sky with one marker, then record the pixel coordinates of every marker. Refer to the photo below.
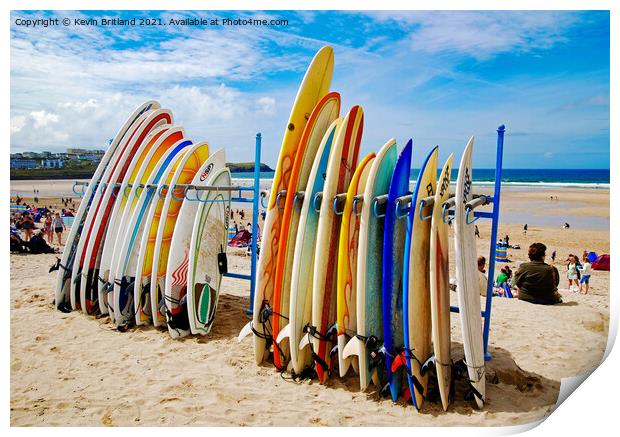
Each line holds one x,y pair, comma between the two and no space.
436,77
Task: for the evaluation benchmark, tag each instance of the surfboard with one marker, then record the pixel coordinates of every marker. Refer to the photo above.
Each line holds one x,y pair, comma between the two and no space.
346,317
66,262
340,168
394,234
468,290
145,306
106,182
176,274
207,246
440,286
189,165
85,272
136,151
416,281
323,114
314,85
125,202
130,230
300,307
369,271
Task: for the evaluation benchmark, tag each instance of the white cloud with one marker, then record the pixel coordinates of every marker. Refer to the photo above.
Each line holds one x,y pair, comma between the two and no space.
266,105
43,118
481,34
17,123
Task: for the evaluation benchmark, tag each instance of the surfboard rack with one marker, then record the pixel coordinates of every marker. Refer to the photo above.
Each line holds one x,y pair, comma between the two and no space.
494,217
357,200
379,205
281,194
427,201
402,206
338,204
79,184
299,196
317,201
257,196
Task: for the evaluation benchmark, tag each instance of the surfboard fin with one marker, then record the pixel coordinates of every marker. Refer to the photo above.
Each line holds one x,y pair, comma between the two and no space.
305,341
353,347
283,334
245,331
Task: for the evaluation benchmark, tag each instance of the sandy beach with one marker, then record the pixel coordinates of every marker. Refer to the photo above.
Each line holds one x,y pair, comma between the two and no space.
72,370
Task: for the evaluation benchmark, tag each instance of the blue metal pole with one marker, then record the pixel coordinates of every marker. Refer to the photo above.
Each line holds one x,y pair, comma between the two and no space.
255,221
498,185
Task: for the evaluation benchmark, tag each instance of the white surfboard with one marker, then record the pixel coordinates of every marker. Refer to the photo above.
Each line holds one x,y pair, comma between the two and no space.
190,164
146,306
468,290
208,243
176,291
86,270
124,204
128,242
73,238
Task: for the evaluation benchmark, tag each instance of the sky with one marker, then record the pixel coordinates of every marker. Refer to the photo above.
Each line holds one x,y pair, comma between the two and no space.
438,77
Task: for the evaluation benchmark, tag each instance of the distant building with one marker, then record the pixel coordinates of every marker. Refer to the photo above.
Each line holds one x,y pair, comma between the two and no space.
21,163
52,163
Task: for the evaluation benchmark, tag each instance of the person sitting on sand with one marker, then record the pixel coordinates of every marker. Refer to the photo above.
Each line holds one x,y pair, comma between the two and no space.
482,277
504,276
586,271
536,280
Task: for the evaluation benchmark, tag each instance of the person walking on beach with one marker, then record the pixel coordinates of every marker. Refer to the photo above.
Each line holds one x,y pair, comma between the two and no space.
553,255
572,274
27,225
476,231
58,226
47,228
537,281
525,229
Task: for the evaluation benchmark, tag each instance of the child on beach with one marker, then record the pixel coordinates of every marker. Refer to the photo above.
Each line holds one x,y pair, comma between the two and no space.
47,228
586,271
58,226
572,273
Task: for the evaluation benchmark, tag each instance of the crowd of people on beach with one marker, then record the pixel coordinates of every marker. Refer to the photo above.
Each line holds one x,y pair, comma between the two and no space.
536,281
36,229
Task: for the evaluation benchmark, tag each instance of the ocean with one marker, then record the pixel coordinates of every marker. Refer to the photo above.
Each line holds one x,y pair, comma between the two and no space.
569,178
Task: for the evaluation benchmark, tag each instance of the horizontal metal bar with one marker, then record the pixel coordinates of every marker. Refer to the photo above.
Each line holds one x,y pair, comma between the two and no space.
477,214
241,200
457,310
237,276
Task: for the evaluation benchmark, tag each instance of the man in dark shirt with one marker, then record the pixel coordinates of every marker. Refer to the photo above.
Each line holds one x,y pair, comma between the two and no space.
537,281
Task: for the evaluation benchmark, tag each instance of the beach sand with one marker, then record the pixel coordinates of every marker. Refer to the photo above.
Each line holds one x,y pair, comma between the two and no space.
68,369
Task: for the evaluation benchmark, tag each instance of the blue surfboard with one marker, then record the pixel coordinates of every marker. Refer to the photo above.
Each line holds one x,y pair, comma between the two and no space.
393,245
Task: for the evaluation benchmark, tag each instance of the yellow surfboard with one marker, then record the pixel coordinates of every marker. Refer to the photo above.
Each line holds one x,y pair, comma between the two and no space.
347,261
440,286
315,85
